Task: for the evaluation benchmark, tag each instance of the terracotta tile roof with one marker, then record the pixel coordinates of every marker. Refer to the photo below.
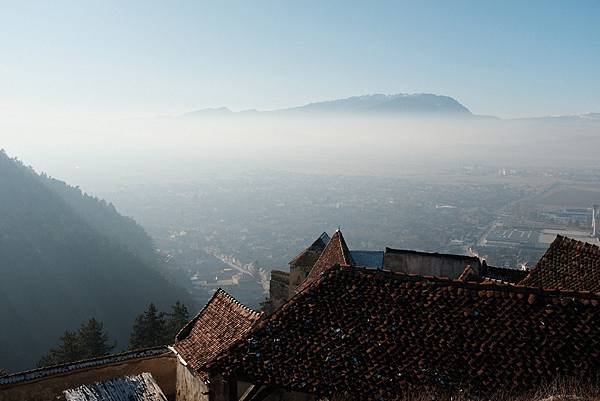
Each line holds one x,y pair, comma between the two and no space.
221,322
309,256
491,274
376,334
335,253
504,274
568,264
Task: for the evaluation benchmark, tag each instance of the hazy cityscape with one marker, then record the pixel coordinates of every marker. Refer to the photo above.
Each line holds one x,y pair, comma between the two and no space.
300,201
257,221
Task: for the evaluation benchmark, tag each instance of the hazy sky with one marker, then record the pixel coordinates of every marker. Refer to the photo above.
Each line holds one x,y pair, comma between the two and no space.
141,58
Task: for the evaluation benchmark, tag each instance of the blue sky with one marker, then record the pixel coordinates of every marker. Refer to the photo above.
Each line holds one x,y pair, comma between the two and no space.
506,58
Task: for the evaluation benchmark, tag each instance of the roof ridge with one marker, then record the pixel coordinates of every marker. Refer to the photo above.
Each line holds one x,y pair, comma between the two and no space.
514,288
368,344
185,330
491,280
466,273
236,302
312,247
317,270
38,373
504,268
189,325
564,238
559,242
218,324
344,248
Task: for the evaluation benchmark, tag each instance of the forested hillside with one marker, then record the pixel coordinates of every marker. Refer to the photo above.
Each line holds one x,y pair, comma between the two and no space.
66,257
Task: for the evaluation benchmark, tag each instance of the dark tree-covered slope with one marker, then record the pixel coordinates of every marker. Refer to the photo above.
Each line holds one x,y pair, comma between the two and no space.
104,217
65,258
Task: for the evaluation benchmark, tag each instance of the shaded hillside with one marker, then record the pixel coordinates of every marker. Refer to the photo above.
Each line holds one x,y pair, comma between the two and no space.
64,258
104,217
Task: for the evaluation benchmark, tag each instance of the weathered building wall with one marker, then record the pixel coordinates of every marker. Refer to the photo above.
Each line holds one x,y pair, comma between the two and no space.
279,288
428,264
219,388
189,386
162,368
297,275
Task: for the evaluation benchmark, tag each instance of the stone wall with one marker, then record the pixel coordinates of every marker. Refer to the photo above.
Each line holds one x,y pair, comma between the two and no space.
279,288
297,275
162,368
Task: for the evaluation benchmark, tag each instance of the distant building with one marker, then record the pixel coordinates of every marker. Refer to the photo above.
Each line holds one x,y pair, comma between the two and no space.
335,253
326,252
428,264
283,284
303,263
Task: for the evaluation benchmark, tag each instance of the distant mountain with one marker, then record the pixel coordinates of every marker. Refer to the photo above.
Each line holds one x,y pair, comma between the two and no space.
392,104
567,118
66,257
399,104
209,112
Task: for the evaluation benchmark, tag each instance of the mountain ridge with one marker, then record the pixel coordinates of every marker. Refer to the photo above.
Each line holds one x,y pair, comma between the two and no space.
396,104
583,117
415,104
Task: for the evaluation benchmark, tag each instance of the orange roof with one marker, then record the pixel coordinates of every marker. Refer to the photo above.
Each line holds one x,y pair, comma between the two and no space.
568,264
335,253
221,322
375,334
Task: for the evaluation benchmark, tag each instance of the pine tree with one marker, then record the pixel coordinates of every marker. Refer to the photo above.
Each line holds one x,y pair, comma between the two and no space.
69,350
137,339
94,341
90,341
149,329
178,318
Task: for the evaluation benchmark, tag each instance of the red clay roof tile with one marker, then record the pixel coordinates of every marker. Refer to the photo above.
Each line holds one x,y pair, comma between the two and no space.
376,334
507,275
221,322
568,264
335,253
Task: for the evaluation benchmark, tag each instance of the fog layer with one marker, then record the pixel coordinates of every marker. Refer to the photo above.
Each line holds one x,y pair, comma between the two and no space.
100,153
